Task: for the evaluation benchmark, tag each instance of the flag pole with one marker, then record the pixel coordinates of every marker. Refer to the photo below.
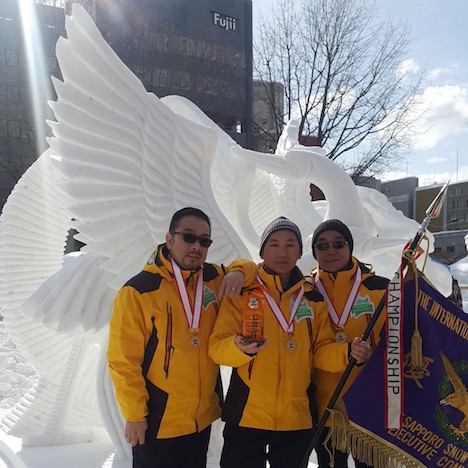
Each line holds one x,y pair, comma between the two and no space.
432,212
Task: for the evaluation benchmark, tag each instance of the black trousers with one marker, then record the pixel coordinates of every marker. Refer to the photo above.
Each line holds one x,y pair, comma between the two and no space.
178,452
340,459
251,448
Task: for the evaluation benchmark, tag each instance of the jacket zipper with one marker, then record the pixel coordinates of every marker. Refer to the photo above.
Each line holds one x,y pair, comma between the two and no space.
168,346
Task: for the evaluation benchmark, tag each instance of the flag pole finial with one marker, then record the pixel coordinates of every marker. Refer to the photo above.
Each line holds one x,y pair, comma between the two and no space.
434,209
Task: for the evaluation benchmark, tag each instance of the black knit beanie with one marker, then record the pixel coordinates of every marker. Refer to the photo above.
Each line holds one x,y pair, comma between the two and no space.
333,225
280,224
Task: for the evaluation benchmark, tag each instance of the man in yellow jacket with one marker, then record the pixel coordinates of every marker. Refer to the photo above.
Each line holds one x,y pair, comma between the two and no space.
167,387
269,407
352,292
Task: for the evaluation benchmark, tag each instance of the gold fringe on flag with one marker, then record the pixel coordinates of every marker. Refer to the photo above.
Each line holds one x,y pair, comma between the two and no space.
369,448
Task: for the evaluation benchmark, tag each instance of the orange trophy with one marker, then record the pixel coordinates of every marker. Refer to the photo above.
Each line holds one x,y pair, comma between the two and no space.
252,317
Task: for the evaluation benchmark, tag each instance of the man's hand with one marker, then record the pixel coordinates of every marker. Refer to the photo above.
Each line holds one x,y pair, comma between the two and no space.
231,284
249,348
360,350
135,432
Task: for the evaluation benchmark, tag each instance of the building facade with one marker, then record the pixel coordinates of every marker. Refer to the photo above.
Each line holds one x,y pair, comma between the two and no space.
199,49
400,193
451,227
454,215
21,135
267,105
449,246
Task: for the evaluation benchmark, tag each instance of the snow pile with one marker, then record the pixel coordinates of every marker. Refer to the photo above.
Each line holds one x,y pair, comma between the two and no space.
18,375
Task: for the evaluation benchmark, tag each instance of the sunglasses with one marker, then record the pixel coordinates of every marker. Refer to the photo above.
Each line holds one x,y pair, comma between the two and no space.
325,245
192,238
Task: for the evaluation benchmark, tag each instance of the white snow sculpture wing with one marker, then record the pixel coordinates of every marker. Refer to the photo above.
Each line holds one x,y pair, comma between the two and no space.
126,162
33,230
243,192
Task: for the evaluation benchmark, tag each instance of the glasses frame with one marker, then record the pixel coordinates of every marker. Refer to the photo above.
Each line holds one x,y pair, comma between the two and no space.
190,238
336,245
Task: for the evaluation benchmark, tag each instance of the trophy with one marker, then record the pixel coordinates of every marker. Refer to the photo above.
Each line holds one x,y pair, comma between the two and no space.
252,317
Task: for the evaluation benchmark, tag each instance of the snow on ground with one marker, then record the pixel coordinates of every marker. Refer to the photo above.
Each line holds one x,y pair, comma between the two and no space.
16,377
17,374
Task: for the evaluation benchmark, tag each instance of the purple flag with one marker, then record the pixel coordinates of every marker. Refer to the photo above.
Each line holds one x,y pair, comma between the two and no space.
434,429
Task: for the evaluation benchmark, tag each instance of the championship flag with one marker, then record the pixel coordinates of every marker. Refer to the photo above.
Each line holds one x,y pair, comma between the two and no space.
393,416
393,354
434,397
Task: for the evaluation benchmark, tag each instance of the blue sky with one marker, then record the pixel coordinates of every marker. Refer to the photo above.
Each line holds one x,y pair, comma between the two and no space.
439,31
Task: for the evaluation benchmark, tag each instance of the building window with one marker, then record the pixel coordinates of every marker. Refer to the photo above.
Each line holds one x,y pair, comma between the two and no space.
450,248
455,204
455,191
13,129
26,133
13,94
11,58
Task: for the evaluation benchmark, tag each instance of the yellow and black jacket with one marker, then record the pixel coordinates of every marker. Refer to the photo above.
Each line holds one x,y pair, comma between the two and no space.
272,390
370,292
158,375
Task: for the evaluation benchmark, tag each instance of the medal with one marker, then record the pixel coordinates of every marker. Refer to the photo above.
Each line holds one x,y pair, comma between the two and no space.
340,337
340,321
194,341
290,344
287,326
192,315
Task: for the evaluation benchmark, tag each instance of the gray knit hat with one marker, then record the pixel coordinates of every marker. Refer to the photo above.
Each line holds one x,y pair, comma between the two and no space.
333,225
280,224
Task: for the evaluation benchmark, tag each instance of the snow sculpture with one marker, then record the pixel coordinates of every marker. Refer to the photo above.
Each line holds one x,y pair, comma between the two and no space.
121,161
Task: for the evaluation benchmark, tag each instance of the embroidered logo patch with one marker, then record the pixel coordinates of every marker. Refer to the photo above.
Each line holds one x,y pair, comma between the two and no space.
363,305
304,311
209,297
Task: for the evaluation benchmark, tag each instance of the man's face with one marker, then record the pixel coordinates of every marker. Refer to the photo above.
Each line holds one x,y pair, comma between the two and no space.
332,259
281,252
188,256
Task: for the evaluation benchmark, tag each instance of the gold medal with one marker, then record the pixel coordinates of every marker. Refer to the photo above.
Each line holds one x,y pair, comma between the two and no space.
290,344
340,337
194,341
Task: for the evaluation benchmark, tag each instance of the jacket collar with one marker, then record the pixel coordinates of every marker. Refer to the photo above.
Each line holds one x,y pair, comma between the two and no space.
330,280
273,282
160,263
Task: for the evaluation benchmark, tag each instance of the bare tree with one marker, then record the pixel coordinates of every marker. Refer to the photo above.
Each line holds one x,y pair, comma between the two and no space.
342,74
